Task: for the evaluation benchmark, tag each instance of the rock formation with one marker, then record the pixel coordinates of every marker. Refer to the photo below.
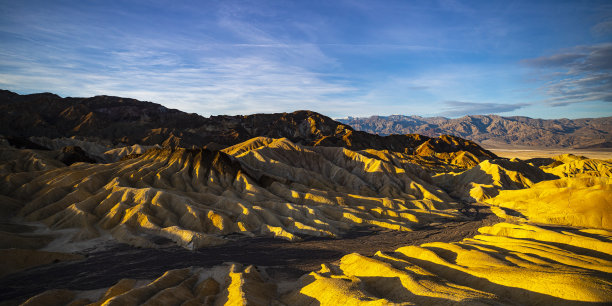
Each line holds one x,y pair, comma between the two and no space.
195,196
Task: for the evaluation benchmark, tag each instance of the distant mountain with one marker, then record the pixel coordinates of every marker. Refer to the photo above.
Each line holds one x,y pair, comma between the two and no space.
122,121
496,131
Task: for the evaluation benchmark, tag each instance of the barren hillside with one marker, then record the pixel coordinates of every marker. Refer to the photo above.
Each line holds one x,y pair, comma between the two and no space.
497,131
113,201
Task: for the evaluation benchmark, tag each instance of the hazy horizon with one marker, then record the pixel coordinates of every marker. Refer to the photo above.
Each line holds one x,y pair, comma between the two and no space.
334,118
548,60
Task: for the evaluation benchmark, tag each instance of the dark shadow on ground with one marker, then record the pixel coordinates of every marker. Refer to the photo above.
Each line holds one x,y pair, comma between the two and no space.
283,259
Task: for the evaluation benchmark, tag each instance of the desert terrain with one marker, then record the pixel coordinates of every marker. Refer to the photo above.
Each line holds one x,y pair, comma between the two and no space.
114,201
548,153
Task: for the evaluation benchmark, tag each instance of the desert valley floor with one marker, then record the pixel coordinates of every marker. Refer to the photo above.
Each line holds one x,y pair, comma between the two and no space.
227,210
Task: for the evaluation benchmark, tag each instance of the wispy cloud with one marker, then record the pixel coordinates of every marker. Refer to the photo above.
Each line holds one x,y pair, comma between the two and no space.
603,28
460,108
258,72
214,86
576,75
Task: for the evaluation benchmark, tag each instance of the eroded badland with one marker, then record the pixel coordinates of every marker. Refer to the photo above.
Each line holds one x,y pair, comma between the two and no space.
110,201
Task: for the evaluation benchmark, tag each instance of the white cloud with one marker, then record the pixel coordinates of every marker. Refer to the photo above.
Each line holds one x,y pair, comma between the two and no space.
576,75
215,86
193,73
461,108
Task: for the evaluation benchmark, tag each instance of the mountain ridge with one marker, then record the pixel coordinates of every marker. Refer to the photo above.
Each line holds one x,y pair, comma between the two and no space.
497,131
124,121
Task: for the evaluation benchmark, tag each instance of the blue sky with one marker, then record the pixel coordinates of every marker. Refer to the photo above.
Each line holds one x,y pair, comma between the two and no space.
542,59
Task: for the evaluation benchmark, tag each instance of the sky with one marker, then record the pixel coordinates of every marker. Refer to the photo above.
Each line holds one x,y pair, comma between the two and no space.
541,59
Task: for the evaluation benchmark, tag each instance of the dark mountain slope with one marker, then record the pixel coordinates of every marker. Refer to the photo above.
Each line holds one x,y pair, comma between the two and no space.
123,121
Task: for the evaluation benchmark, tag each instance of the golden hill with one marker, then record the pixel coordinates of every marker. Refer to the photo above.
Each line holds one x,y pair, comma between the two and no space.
585,202
489,177
582,196
195,197
568,165
274,187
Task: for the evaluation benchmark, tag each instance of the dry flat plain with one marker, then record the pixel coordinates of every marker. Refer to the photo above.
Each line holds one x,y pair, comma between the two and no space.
286,209
549,153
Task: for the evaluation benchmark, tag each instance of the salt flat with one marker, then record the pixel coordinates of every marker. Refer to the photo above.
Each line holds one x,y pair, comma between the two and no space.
546,153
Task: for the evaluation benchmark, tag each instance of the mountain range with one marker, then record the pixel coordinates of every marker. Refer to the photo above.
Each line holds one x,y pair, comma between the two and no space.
494,131
117,122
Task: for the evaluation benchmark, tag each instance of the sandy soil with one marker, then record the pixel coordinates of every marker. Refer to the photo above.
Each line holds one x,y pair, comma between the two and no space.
283,260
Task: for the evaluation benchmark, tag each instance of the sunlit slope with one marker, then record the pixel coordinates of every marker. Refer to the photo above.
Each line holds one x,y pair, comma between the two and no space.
340,173
507,264
194,197
118,153
454,150
17,167
583,201
582,196
568,165
489,177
